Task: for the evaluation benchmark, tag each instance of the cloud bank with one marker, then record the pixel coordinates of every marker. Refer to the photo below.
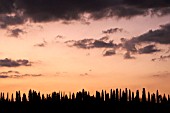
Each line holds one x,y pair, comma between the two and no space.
150,39
92,43
13,12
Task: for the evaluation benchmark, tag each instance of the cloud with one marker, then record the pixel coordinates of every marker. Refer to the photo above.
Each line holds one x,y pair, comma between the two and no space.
102,44
20,75
84,43
105,38
109,53
33,75
6,6
14,63
4,76
10,72
91,43
16,74
148,49
161,35
9,20
40,27
15,32
127,55
40,45
127,45
113,30
130,46
59,37
43,44
66,10
162,58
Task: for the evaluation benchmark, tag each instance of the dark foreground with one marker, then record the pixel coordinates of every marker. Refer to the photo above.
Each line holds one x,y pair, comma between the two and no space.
117,101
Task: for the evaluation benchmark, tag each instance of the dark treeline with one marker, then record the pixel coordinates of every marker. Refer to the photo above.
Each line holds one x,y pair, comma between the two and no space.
116,101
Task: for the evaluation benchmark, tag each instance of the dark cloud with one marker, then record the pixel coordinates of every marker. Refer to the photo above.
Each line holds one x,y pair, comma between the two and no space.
91,43
33,75
84,43
8,20
3,26
148,49
66,10
112,30
161,36
43,44
129,45
15,32
14,63
4,76
102,44
6,6
127,55
109,53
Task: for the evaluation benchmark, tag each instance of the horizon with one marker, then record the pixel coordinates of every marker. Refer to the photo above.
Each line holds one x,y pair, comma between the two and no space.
84,44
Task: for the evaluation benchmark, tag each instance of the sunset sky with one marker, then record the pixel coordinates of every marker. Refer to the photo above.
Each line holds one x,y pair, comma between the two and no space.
67,45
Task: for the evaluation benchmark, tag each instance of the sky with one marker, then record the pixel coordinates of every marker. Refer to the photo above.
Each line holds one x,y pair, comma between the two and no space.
54,45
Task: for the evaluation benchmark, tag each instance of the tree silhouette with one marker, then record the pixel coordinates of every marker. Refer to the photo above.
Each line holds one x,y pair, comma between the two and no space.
117,100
